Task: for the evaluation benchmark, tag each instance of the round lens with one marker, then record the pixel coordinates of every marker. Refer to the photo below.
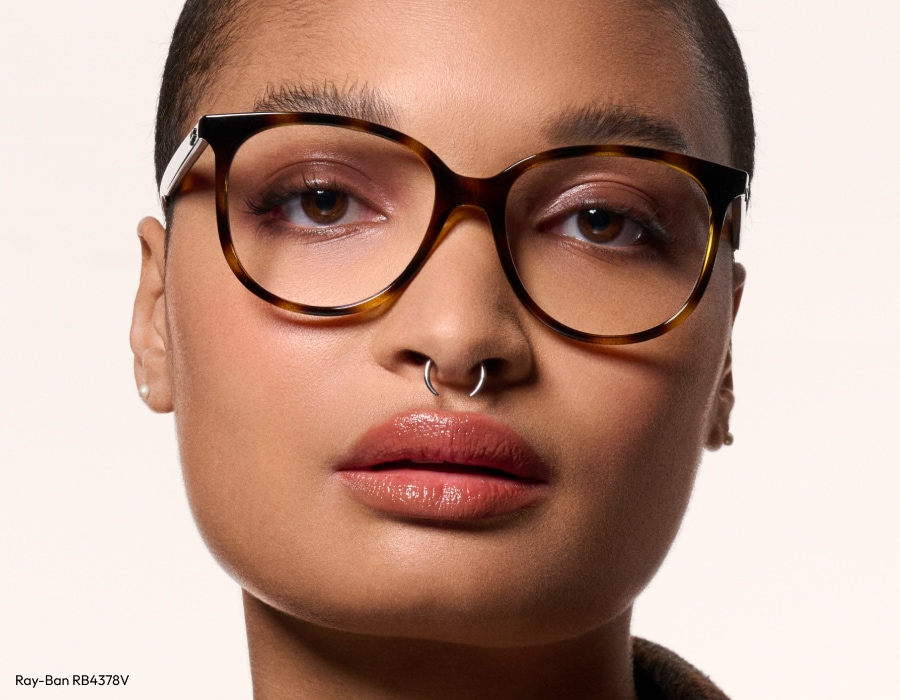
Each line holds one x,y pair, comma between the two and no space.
326,215
608,245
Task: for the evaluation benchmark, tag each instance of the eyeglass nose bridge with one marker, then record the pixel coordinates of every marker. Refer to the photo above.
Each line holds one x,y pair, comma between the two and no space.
453,190
459,197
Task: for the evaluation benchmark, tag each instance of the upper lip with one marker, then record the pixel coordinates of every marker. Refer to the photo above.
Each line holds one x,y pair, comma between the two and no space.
465,439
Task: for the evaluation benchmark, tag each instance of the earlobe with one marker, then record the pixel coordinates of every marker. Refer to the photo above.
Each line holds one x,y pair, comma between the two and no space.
149,336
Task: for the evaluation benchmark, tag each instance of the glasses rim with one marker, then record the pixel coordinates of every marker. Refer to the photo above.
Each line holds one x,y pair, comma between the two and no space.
726,190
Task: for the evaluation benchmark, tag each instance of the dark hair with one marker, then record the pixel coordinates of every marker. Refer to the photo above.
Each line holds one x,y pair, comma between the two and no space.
207,29
723,72
203,35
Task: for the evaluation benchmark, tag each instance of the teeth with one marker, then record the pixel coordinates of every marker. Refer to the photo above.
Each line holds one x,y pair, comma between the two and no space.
427,461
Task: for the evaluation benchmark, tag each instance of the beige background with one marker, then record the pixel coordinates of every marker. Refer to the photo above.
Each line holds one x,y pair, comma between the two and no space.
783,581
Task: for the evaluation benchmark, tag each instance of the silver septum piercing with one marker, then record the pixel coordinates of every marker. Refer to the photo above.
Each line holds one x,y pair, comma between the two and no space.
430,363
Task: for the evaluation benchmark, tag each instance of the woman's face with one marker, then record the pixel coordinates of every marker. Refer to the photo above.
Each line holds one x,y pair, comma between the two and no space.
273,408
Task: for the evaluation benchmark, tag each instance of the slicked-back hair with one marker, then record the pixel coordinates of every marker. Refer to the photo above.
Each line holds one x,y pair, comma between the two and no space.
207,30
203,36
723,72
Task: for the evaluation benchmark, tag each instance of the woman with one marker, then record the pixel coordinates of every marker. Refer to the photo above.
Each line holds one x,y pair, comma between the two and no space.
442,429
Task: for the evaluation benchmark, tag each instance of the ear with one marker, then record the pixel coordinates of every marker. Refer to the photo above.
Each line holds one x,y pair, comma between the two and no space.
719,433
149,336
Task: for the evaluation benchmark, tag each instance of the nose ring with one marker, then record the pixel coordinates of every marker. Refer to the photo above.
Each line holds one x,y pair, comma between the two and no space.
430,363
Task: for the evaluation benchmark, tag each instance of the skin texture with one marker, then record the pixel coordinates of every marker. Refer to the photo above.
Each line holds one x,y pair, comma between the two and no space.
343,601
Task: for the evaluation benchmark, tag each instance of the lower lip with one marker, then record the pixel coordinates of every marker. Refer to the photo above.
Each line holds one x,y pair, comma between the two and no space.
440,495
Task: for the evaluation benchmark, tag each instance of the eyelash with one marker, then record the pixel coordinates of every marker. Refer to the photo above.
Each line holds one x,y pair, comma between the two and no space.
276,196
655,229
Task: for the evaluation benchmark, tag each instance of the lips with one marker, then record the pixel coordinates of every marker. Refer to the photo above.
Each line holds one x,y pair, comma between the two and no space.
441,466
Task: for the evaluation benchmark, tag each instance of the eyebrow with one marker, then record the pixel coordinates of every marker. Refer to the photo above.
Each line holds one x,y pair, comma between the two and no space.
590,124
359,102
595,124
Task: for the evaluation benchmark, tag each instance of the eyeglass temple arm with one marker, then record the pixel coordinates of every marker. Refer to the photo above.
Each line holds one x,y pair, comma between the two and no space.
182,161
738,211
739,207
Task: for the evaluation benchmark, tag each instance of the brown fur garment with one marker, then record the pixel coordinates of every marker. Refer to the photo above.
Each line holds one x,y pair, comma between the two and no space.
660,674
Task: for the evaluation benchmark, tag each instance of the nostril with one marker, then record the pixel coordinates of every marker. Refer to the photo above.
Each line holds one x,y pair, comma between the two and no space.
494,366
477,375
413,357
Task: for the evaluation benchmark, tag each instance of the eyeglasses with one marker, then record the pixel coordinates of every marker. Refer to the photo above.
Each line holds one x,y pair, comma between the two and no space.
330,216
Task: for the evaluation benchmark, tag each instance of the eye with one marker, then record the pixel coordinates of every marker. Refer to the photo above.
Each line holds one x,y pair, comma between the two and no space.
604,227
308,198
319,207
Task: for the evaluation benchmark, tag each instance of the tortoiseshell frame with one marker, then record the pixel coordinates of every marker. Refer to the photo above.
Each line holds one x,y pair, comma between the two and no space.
724,187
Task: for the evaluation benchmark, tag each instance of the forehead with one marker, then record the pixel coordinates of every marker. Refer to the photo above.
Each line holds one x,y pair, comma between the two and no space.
475,79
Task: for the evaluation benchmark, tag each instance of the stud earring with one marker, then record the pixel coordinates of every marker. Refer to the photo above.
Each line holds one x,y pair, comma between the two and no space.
728,440
144,391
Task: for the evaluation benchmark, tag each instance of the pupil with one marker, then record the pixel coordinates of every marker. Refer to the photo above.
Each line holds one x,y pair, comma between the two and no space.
599,225
325,200
597,219
324,206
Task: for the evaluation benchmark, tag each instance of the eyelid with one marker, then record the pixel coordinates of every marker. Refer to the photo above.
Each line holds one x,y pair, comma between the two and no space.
587,193
338,173
575,200
273,199
274,193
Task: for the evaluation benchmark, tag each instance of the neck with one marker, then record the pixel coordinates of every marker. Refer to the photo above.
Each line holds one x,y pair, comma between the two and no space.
294,659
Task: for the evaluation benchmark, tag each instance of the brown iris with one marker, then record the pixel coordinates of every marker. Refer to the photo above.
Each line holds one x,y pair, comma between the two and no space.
600,225
324,206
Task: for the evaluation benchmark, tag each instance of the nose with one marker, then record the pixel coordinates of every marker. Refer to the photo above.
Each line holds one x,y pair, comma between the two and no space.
461,313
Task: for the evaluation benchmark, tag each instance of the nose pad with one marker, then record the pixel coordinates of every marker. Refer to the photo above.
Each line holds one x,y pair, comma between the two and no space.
466,227
458,215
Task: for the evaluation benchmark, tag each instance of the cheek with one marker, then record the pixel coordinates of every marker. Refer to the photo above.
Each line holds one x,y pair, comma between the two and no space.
248,386
621,507
636,420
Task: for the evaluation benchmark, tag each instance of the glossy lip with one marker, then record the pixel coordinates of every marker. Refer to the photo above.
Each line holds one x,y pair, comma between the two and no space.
444,466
